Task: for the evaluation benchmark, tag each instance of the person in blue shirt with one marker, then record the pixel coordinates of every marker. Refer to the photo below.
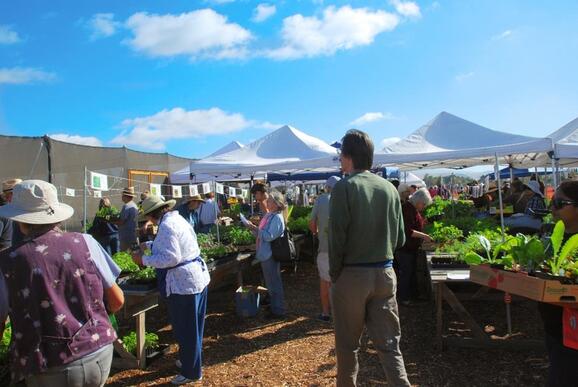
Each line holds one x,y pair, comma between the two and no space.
188,210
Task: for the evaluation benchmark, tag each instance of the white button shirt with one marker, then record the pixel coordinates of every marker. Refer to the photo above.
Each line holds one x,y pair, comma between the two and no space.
176,242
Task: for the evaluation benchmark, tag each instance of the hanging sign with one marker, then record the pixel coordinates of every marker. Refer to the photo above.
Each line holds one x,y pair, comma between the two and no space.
245,193
97,194
219,188
206,188
193,190
177,191
70,192
155,189
98,181
232,192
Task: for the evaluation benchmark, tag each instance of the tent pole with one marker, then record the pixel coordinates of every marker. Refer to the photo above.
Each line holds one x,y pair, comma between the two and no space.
84,200
554,173
511,174
251,195
216,211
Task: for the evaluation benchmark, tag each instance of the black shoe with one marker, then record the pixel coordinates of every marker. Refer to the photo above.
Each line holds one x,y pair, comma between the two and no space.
324,317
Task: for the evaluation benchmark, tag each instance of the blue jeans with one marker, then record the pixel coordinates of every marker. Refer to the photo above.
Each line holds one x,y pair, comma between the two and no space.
110,243
187,315
272,273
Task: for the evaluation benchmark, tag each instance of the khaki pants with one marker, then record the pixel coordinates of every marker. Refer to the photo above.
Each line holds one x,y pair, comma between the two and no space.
365,296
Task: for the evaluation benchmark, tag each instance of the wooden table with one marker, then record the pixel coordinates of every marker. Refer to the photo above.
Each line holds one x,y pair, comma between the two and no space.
136,304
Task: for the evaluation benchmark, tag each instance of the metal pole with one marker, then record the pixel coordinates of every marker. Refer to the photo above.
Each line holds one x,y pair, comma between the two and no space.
554,179
251,195
216,201
85,189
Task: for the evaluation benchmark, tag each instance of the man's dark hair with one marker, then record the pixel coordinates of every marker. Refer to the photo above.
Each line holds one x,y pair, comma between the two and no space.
395,183
358,146
413,186
258,187
570,189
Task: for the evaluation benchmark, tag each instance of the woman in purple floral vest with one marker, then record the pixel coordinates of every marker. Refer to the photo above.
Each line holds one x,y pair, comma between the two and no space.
57,289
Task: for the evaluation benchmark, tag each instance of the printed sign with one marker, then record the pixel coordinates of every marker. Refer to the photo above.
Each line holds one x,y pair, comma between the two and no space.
97,194
98,181
219,188
155,189
70,192
206,188
193,190
177,191
245,193
232,192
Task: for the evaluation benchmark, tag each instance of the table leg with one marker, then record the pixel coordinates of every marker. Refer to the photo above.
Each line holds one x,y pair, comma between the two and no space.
140,340
457,307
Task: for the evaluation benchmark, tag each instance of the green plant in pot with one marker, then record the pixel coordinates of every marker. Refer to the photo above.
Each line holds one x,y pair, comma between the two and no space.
561,255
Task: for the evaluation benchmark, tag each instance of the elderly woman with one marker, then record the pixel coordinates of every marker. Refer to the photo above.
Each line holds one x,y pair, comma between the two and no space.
404,191
563,360
59,288
271,227
182,277
406,257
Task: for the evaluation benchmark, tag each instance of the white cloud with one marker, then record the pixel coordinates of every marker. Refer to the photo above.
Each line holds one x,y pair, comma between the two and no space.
504,35
371,117
263,12
7,36
389,141
23,75
103,25
154,131
406,8
464,76
75,139
198,34
338,29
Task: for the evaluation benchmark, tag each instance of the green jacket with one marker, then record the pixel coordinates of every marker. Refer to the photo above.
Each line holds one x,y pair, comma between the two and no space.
365,221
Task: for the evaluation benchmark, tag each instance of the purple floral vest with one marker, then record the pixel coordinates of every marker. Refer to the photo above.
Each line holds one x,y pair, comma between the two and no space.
57,310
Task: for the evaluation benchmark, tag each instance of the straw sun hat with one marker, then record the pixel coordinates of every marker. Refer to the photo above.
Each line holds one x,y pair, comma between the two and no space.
152,203
195,198
36,202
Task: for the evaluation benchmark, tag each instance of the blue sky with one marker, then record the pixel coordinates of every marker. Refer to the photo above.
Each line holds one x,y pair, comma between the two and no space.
188,77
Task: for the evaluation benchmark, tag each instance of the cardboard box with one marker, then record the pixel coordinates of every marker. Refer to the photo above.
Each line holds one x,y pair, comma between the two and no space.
521,284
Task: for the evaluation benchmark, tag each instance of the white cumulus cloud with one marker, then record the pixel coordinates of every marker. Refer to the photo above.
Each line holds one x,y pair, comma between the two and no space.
8,36
75,139
24,75
389,141
198,34
371,117
504,35
154,131
103,25
406,8
337,29
263,12
464,76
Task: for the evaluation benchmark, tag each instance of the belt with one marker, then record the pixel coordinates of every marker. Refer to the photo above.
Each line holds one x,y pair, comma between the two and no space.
383,264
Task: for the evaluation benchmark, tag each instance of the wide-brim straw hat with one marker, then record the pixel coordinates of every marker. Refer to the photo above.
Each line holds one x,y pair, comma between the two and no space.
152,203
36,202
8,185
535,187
195,198
129,191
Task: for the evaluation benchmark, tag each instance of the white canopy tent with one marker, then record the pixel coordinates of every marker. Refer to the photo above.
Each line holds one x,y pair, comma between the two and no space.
565,142
233,145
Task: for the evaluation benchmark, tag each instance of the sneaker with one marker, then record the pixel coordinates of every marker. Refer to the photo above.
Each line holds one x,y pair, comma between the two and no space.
180,379
178,363
324,317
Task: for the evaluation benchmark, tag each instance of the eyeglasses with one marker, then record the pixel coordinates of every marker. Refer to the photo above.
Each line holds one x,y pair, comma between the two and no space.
560,203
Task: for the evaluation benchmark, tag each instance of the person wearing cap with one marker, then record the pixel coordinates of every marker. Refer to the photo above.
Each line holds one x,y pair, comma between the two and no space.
188,210
319,226
59,288
365,228
182,278
128,221
532,216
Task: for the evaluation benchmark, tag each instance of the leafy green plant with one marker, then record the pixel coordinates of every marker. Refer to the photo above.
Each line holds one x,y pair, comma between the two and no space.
241,236
561,255
125,262
300,212
443,234
129,341
449,208
108,212
211,249
527,251
491,254
146,274
5,343
299,225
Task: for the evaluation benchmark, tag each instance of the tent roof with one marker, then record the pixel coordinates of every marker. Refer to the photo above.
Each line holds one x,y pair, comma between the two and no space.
286,144
233,145
566,134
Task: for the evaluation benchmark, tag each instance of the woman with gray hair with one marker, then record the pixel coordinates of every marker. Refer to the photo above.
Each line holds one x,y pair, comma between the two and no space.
271,227
406,257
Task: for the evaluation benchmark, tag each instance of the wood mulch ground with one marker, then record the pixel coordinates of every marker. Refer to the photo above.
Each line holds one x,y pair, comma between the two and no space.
299,350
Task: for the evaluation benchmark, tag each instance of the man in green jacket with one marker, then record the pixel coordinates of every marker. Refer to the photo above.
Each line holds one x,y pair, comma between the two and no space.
365,228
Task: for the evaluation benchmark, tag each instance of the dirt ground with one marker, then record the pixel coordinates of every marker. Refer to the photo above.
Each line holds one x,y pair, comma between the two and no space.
299,351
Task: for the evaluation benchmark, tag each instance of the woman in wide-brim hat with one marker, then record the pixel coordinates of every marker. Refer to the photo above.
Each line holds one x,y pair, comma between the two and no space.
58,284
182,277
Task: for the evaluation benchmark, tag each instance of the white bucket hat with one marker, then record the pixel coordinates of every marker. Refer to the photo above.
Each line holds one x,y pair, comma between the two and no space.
152,203
36,202
535,187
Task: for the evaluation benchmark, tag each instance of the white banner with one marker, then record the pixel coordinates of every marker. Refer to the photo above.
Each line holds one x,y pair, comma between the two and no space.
232,192
155,190
193,190
70,192
206,188
97,194
245,193
98,181
177,191
219,188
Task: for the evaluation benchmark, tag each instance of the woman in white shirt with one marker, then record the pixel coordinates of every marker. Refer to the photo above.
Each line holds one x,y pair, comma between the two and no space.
183,278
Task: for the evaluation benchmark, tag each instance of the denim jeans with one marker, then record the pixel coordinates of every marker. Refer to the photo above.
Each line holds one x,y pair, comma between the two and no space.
272,273
365,297
110,243
187,315
90,371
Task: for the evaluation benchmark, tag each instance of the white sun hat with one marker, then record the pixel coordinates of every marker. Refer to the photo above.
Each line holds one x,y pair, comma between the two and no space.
36,202
535,187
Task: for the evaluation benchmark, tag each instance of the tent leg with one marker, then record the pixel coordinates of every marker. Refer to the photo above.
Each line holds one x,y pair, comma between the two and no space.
497,166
